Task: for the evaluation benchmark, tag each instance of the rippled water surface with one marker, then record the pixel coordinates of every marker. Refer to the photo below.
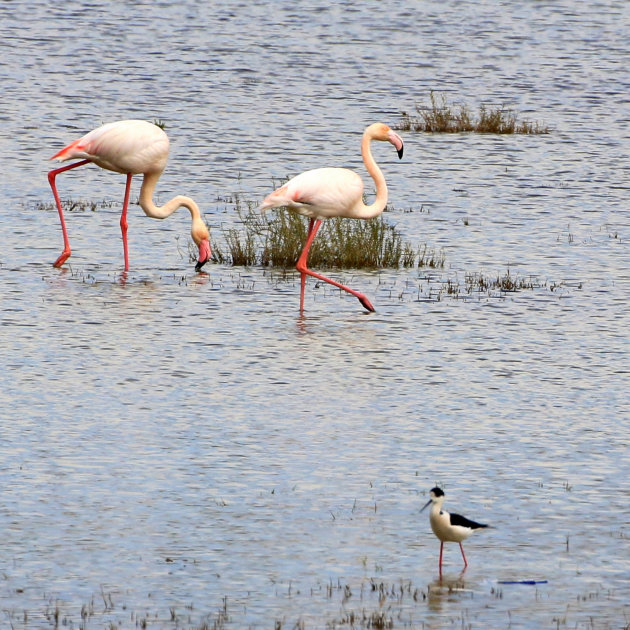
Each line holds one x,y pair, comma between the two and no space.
182,450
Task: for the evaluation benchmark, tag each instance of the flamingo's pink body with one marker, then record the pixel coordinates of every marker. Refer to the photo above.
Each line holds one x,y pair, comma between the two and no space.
335,192
130,147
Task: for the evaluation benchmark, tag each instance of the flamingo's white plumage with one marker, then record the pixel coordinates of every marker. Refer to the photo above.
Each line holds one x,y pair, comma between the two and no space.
130,147
335,192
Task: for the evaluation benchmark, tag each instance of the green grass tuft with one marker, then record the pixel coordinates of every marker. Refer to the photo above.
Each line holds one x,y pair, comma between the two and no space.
441,117
276,239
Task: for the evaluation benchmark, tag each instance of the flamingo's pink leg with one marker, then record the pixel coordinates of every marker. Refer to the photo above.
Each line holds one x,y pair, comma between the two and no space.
123,221
66,242
311,223
304,270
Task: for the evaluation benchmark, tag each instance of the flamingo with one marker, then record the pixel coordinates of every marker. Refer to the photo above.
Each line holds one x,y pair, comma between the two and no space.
322,193
129,147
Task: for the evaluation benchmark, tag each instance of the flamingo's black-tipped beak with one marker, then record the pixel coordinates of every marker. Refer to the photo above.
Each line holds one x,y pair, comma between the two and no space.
367,305
397,141
204,254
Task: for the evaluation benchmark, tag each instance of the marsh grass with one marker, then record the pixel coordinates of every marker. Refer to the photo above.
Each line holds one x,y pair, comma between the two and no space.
506,282
77,205
276,239
441,117
476,283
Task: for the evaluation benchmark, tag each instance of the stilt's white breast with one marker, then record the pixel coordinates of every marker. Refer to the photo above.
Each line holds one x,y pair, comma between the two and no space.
442,528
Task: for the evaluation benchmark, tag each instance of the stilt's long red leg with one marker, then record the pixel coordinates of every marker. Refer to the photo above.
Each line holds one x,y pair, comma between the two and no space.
123,221
51,179
463,555
441,550
314,226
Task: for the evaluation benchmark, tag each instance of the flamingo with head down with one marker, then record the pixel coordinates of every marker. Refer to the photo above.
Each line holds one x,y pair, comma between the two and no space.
335,192
130,147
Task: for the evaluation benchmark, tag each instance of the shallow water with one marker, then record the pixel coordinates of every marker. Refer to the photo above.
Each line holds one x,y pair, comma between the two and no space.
180,448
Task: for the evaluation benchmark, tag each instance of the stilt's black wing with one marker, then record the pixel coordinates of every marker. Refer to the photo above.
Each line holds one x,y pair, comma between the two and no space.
462,521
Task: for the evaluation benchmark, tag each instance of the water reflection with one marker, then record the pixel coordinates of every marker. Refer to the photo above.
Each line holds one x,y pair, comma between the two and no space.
198,418
446,590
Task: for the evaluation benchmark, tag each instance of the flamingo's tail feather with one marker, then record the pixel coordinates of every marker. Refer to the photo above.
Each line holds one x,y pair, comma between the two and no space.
276,199
74,149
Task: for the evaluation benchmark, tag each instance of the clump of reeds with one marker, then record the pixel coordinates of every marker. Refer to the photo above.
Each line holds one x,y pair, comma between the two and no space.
429,257
440,117
276,240
505,283
76,205
479,283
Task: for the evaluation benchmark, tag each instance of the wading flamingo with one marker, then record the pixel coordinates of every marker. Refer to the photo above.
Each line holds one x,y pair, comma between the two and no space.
334,192
449,527
130,147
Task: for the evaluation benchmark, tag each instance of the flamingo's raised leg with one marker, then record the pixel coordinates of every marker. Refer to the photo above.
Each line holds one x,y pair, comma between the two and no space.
314,226
65,254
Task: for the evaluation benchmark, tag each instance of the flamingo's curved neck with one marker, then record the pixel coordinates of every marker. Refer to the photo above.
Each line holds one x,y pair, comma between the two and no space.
374,209
161,212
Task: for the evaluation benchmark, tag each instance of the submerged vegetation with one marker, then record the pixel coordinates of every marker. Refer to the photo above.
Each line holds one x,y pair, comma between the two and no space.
476,283
440,117
276,240
370,603
77,205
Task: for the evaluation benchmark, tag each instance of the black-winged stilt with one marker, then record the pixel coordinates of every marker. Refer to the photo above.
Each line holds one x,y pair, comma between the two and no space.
448,527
